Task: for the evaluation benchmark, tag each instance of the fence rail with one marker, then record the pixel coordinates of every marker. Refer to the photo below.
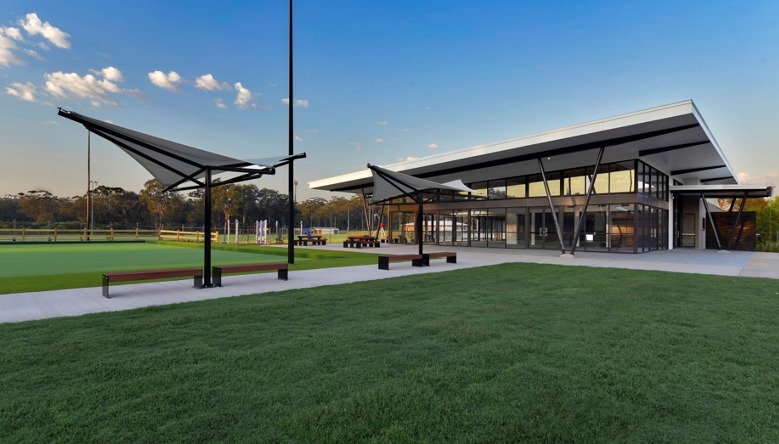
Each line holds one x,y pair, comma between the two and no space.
187,236
61,235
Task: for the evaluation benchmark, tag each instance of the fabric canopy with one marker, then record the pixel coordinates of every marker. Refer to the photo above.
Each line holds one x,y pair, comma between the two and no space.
388,185
174,165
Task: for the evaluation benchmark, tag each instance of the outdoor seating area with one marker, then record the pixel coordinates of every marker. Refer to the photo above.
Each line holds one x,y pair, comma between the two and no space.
281,267
304,240
148,275
362,241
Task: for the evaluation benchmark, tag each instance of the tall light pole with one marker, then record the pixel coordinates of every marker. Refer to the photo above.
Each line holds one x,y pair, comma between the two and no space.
291,230
89,183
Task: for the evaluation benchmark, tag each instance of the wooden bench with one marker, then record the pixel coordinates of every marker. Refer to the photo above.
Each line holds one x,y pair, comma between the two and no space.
282,268
451,257
384,260
126,276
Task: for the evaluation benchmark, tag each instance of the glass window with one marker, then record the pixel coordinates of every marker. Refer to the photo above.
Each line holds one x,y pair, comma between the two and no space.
497,189
515,187
555,183
575,182
480,188
601,180
621,177
535,186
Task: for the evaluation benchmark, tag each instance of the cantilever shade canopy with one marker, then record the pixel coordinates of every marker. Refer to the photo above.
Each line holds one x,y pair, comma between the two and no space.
180,167
177,166
388,185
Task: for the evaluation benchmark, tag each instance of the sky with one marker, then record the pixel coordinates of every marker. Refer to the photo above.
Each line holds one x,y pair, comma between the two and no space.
376,82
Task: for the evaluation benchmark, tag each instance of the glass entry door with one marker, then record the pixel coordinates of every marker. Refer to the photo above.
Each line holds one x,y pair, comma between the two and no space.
543,233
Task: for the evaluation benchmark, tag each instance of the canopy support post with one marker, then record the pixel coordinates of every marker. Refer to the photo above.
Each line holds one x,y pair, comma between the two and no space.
551,206
591,188
711,221
419,223
738,220
207,234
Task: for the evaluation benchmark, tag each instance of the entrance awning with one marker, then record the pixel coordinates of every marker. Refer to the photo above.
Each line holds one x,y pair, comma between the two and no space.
723,191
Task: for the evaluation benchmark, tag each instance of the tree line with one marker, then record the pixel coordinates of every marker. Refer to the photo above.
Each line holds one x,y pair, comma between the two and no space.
151,208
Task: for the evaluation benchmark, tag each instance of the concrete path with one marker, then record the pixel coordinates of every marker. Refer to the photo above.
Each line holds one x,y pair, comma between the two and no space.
50,304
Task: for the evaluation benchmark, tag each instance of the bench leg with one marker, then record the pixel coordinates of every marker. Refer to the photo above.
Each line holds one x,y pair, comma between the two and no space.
418,262
217,276
283,273
426,260
198,281
451,259
105,287
383,263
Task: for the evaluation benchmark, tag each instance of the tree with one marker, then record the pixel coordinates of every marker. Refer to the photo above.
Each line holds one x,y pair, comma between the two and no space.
157,201
37,204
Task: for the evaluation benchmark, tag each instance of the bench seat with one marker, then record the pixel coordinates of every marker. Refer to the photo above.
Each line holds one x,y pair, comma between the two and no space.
281,267
451,257
147,275
384,260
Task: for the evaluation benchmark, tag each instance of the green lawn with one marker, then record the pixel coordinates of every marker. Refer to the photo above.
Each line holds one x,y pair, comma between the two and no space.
37,267
509,353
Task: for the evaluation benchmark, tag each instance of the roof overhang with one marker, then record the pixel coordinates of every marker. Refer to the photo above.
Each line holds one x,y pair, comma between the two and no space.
673,138
724,191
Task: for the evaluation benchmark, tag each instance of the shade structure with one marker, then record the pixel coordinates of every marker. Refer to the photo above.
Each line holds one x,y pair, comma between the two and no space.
388,185
180,167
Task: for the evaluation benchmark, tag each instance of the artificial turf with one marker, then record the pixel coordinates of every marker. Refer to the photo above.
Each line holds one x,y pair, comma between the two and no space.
508,353
38,267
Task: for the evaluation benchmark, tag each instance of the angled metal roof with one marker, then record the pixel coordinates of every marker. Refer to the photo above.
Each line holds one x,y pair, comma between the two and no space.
174,164
389,185
673,138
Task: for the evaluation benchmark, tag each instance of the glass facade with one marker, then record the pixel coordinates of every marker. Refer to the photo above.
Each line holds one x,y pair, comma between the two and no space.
627,212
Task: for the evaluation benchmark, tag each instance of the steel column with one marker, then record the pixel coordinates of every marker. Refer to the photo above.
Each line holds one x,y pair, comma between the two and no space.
207,234
291,136
738,219
586,201
551,206
711,221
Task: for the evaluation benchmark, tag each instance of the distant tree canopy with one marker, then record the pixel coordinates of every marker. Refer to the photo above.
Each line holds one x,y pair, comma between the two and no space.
153,208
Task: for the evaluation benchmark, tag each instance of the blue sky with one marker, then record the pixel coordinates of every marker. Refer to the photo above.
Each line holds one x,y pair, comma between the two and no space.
375,82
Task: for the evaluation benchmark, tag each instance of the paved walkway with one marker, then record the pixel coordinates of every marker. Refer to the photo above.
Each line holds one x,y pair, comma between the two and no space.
50,304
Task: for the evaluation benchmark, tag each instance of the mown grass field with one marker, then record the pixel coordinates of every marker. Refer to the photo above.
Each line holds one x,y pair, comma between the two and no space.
509,353
38,267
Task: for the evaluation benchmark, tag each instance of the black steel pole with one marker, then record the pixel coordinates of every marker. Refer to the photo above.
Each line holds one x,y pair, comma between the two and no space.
420,229
291,136
89,181
207,234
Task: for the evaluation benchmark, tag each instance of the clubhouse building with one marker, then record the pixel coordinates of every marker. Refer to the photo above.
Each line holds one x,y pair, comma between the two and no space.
633,183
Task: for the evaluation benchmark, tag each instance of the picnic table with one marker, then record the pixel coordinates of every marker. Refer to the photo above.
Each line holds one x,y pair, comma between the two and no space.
361,241
315,240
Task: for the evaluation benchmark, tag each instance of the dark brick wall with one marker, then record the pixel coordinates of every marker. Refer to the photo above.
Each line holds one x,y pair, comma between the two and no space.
725,223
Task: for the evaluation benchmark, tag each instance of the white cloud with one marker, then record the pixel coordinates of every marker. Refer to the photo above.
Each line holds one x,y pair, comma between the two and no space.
298,138
408,159
207,82
303,103
169,81
110,73
771,178
244,97
432,146
220,104
33,53
8,38
97,90
382,123
378,141
34,26
22,91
